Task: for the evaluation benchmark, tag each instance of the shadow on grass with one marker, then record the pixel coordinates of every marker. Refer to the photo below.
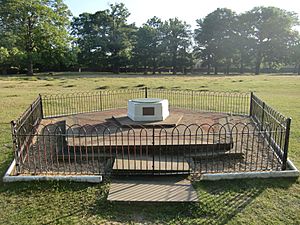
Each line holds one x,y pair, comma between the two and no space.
22,188
219,202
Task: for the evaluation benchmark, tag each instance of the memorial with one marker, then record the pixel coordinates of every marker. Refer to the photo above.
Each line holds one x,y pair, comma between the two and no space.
148,109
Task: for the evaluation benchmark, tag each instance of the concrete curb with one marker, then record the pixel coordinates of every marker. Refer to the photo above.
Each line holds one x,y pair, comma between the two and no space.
292,172
9,177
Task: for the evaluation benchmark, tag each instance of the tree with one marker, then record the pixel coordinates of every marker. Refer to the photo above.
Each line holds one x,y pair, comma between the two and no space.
214,39
9,54
9,57
120,37
295,55
91,32
176,41
39,27
147,49
243,42
104,38
271,31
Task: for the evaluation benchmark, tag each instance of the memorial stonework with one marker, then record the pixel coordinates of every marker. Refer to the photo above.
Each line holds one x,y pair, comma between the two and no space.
148,109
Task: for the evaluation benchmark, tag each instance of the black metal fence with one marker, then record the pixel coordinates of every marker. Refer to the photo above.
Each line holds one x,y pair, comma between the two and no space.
268,119
106,149
68,104
225,102
259,143
24,128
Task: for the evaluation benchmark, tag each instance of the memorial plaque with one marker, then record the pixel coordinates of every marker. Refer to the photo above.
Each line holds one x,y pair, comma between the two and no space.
148,111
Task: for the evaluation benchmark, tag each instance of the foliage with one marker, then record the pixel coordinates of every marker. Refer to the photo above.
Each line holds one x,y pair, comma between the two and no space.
176,43
39,29
36,34
270,29
264,34
104,38
215,38
295,55
148,48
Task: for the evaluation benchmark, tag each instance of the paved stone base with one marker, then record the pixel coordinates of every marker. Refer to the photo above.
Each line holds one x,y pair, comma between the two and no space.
152,189
171,121
147,163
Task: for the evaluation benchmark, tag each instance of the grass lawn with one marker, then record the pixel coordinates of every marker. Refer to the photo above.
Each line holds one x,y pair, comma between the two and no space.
256,201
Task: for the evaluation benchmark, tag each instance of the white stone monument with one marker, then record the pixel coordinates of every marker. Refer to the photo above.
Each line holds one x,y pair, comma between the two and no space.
148,109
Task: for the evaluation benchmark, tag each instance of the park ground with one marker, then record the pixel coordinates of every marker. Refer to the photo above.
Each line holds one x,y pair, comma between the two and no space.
252,201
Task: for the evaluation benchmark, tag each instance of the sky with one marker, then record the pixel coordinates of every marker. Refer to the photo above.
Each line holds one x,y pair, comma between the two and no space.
186,10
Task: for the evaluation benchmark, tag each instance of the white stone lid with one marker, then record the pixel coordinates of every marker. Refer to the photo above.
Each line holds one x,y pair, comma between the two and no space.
146,100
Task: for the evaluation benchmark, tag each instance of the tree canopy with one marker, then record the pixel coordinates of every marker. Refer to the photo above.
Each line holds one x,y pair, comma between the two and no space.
42,35
36,28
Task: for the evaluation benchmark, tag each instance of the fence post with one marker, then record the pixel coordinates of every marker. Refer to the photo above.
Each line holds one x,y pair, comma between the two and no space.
101,104
41,107
146,92
15,145
153,149
286,143
251,104
262,117
193,99
31,117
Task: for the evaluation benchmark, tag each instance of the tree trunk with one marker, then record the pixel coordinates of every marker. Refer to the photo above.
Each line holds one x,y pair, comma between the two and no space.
174,60
295,68
30,46
145,70
227,68
242,64
4,71
208,69
216,70
153,70
299,69
154,66
257,67
258,63
30,67
174,70
116,69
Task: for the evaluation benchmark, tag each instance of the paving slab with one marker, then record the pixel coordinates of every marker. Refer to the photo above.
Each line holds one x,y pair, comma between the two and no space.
159,163
152,189
171,121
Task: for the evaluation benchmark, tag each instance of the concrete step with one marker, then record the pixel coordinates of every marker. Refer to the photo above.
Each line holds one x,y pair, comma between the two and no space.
161,163
152,189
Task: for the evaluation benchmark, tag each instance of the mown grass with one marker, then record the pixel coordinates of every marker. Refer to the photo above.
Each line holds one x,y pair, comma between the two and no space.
256,201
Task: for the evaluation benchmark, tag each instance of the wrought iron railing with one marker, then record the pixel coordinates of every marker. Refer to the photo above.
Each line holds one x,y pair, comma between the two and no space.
225,102
24,128
260,145
106,149
68,104
268,119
